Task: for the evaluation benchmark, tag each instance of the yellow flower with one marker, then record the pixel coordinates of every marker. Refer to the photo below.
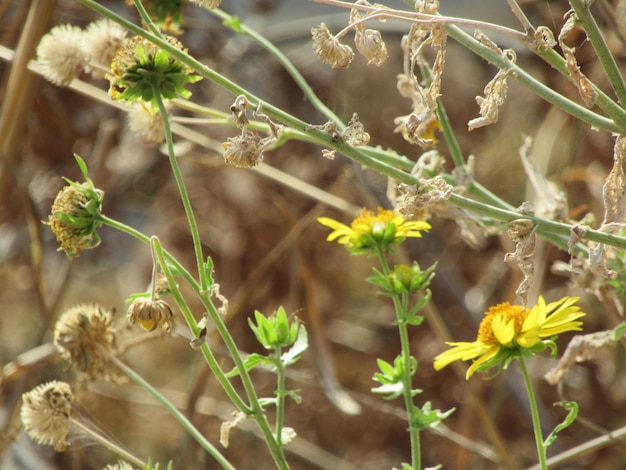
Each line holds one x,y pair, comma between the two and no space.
507,331
370,230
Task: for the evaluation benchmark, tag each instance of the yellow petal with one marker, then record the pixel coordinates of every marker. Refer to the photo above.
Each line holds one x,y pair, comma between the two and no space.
503,330
462,351
486,357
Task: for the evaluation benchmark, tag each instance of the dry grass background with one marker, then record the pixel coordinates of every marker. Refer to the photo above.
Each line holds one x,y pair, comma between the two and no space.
269,251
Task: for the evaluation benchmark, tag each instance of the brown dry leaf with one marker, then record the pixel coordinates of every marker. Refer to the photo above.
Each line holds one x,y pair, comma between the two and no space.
584,85
583,348
614,189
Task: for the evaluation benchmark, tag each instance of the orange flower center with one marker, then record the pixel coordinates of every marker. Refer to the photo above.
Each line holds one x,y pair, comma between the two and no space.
509,312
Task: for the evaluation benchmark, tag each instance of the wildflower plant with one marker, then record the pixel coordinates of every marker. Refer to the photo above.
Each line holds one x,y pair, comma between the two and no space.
512,332
377,235
151,72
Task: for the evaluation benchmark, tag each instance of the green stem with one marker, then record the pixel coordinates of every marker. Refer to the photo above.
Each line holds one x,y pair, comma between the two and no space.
411,410
541,448
108,444
280,396
288,66
146,18
255,408
363,158
182,189
534,85
588,22
189,427
206,351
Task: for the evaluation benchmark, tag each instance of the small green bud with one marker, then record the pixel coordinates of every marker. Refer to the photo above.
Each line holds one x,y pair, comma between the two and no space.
276,330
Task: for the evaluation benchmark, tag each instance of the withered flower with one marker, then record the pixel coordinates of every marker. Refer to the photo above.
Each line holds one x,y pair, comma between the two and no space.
45,414
83,335
328,48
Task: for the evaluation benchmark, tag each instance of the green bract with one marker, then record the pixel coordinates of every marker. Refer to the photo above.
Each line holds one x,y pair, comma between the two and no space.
276,330
140,69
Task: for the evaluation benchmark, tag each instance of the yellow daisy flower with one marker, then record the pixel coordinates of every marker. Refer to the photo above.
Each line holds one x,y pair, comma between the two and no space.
370,230
507,331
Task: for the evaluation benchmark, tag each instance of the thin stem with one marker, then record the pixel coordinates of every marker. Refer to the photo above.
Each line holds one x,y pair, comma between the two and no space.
146,18
180,417
364,158
541,448
588,22
534,85
411,410
289,67
280,396
206,351
182,189
108,444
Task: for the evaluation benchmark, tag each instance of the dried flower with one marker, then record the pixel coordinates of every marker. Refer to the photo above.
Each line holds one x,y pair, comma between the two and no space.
149,314
371,45
329,49
61,54
146,123
354,134
46,412
83,335
140,68
245,150
75,215
102,40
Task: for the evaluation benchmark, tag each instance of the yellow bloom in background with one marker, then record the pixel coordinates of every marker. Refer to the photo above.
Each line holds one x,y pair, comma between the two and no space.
508,331
370,230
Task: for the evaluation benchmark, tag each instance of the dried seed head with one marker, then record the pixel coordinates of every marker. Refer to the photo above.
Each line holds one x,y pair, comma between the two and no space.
74,217
328,48
102,40
146,124
61,54
83,335
371,45
46,412
354,134
149,314
245,150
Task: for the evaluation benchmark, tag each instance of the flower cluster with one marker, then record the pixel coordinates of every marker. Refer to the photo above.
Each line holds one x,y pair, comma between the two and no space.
372,231
510,331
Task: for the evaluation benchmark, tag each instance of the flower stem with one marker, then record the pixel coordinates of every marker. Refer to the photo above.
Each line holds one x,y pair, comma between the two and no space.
541,448
193,225
180,417
280,396
411,410
588,22
206,351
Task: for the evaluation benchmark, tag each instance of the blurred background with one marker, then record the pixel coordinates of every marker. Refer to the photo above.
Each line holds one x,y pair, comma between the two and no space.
269,251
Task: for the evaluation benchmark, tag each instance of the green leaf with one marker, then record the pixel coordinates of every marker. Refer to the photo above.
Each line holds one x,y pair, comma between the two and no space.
572,408
295,352
252,361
